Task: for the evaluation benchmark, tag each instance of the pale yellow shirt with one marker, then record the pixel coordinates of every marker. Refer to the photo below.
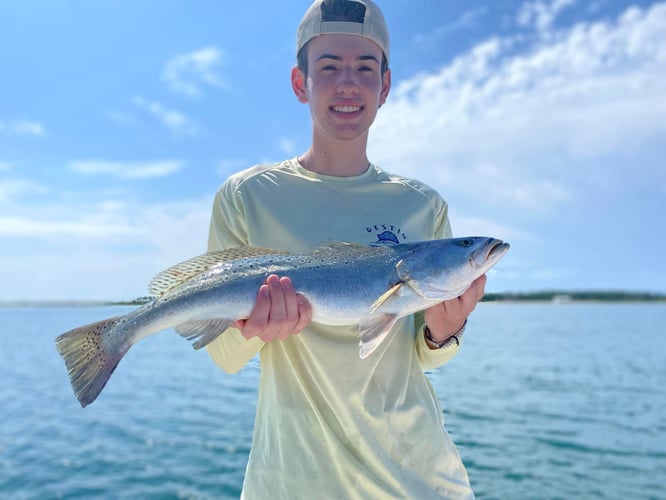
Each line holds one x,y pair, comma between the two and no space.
329,424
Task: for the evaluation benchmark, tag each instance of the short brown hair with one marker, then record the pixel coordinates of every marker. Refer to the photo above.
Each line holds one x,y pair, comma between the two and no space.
303,60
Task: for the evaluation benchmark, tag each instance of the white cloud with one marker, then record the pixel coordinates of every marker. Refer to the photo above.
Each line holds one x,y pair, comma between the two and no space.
177,122
287,146
23,127
229,166
471,226
99,250
25,226
13,189
127,170
540,14
489,181
466,20
521,127
188,73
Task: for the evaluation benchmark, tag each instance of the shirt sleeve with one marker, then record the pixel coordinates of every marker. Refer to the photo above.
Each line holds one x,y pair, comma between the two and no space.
433,358
429,359
228,228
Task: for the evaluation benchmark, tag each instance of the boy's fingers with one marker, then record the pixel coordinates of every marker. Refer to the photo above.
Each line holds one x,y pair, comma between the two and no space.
278,311
278,308
304,313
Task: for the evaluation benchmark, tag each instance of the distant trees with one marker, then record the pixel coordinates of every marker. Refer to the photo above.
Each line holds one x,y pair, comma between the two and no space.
579,296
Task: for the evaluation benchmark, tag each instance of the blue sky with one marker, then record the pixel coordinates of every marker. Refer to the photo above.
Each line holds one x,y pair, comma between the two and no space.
540,122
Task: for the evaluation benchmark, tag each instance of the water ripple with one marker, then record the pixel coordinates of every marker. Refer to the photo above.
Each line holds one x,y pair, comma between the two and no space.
543,402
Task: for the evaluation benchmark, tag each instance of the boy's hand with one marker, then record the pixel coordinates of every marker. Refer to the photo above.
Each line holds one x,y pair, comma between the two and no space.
447,318
278,312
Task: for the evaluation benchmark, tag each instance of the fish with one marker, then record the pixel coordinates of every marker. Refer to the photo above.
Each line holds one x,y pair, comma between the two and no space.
346,284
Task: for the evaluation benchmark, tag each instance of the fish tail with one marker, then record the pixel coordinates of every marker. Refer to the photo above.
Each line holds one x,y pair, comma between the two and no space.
89,358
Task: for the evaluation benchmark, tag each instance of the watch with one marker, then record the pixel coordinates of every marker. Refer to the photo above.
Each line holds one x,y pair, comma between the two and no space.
453,338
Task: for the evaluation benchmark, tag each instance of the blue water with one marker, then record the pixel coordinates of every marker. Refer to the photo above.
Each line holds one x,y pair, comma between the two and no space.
544,402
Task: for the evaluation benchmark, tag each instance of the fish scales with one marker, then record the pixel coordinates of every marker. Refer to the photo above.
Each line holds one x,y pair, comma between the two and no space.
353,280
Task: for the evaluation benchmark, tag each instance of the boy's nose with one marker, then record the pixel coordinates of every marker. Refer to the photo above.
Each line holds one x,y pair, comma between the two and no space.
347,84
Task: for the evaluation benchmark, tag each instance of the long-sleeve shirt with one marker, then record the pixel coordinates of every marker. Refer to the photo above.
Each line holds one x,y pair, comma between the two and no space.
329,424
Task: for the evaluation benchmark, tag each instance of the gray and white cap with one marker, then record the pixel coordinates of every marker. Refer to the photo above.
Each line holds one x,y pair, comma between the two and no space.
372,26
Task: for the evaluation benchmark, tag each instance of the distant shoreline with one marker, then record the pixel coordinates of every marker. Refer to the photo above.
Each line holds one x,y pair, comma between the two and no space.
555,297
73,303
561,297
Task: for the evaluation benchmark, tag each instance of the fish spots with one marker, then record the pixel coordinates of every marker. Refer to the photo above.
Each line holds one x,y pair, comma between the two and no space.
89,356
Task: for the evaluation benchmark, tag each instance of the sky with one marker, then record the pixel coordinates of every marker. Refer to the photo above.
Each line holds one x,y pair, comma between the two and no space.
540,122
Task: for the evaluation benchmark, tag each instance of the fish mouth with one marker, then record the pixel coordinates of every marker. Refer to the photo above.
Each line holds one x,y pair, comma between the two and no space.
489,253
496,248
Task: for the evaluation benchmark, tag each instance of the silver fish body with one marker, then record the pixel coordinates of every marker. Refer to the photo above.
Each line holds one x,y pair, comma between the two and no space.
345,283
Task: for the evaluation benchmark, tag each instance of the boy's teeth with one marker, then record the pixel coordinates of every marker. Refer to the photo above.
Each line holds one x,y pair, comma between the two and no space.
346,109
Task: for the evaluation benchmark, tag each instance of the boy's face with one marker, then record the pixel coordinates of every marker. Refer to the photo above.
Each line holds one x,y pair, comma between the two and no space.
344,86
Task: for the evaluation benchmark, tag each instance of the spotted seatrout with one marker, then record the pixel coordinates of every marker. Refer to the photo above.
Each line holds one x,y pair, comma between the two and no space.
345,283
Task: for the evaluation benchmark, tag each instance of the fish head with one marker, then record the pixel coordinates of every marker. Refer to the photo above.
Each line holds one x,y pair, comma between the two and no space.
444,269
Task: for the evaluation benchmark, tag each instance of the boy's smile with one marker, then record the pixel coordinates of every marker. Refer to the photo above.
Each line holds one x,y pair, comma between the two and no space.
344,85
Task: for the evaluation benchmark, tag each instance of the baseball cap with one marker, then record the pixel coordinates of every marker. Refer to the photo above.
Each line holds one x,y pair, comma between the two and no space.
316,22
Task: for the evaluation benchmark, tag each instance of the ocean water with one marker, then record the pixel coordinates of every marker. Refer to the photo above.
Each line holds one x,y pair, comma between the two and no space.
545,401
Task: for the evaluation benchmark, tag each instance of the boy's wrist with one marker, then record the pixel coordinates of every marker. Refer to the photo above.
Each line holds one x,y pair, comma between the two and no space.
447,341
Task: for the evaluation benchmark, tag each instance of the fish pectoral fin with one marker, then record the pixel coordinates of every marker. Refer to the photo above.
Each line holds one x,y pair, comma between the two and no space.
384,297
180,273
203,332
373,330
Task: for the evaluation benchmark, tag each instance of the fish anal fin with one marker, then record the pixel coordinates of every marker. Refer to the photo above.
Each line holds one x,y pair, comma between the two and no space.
385,296
180,273
373,330
203,332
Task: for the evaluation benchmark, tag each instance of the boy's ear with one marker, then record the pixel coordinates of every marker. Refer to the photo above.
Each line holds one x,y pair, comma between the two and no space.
386,87
298,84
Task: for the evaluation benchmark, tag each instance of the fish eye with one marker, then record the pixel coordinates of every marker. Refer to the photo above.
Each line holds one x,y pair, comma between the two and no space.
467,242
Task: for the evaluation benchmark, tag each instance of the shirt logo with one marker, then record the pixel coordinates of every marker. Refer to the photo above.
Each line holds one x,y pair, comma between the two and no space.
386,234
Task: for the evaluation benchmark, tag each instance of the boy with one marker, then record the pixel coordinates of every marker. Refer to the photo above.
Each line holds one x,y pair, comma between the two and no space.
328,424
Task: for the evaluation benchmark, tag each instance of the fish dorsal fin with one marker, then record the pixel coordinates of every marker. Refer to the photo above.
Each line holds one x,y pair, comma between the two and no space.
343,251
186,270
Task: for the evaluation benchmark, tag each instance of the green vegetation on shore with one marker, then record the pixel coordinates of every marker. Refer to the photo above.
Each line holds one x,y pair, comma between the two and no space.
576,296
